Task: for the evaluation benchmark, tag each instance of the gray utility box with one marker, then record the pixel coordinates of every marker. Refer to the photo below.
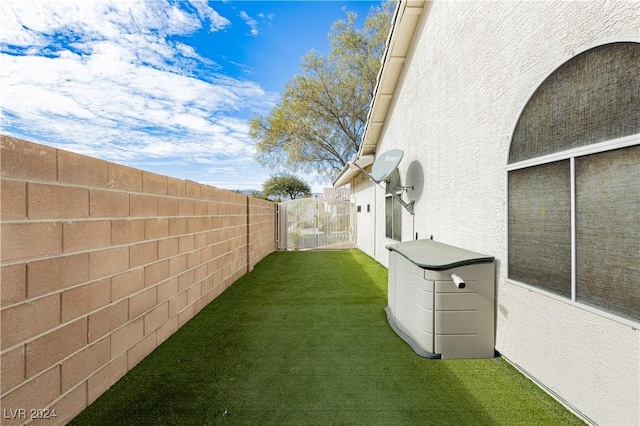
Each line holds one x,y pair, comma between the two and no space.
441,299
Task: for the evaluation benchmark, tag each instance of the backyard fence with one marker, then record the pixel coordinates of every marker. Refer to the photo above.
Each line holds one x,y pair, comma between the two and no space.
100,264
316,223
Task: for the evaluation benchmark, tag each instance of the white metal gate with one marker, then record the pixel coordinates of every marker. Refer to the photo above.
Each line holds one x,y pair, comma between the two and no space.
316,223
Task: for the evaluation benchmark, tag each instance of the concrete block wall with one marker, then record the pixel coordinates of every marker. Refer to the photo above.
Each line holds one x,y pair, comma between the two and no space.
100,263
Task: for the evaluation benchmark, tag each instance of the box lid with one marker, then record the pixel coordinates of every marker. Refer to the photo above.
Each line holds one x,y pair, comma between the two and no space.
429,254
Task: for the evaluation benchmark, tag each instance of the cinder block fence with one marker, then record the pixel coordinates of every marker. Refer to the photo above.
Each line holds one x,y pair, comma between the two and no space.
100,264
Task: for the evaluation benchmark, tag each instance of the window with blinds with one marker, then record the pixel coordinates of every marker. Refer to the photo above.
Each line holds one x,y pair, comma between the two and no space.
393,208
574,183
540,226
608,230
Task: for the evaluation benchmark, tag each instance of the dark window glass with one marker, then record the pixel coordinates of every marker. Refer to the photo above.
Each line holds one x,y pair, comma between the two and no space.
397,220
591,98
393,209
608,230
389,217
540,227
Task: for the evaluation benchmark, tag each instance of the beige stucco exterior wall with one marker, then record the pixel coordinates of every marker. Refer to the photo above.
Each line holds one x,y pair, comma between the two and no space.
101,263
471,70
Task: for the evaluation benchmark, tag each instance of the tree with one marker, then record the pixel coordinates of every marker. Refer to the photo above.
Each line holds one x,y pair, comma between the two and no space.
257,194
320,119
285,185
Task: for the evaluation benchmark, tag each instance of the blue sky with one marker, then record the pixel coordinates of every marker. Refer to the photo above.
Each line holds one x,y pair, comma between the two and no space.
165,86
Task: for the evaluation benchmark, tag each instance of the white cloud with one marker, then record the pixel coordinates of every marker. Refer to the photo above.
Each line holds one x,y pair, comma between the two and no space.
217,22
266,16
252,23
105,79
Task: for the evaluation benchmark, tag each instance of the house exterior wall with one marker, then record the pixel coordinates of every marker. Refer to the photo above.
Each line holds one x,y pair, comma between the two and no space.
364,194
100,264
469,74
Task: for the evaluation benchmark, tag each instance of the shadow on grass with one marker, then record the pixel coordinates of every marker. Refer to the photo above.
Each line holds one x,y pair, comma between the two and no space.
303,340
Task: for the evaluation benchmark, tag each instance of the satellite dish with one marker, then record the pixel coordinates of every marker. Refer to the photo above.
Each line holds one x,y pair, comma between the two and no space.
385,164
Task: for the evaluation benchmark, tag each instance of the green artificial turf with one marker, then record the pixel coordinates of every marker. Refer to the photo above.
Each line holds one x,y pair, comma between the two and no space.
304,340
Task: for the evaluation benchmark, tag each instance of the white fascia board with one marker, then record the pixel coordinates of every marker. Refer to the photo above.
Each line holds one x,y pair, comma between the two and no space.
350,170
403,25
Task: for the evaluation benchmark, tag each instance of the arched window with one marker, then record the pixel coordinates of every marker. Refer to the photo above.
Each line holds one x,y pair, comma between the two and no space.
574,182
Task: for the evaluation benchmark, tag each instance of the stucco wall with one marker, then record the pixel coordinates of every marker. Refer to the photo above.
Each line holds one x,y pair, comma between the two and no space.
470,72
363,191
100,264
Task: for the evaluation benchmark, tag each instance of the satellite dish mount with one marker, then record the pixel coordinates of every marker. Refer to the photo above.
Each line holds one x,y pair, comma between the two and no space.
381,171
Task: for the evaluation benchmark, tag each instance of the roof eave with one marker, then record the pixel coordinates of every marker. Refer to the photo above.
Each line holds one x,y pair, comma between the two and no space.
350,170
404,23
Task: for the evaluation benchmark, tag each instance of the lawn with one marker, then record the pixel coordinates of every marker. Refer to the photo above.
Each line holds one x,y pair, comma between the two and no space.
303,340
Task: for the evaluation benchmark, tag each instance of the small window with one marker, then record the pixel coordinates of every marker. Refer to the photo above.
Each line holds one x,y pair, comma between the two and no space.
393,208
368,208
359,209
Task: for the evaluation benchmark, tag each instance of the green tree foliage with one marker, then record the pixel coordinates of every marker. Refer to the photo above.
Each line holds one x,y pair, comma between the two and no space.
320,119
285,185
257,194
